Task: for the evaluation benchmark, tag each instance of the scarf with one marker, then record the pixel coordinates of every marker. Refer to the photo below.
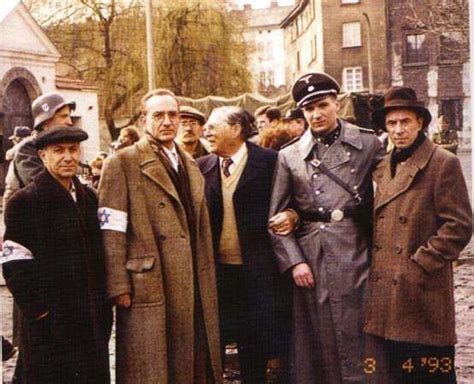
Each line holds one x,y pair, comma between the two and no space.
401,155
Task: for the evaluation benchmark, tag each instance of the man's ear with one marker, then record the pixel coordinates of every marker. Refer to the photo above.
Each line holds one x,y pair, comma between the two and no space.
236,130
42,155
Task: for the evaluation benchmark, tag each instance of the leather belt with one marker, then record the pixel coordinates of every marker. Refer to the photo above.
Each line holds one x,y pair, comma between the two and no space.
331,215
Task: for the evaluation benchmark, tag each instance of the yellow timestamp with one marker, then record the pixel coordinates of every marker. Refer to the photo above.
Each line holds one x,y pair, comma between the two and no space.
430,363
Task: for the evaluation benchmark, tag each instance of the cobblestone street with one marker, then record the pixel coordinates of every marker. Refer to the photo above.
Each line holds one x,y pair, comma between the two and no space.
464,298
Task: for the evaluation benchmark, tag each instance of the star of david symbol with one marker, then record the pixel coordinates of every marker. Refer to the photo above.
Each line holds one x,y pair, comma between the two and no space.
8,250
45,107
306,79
103,217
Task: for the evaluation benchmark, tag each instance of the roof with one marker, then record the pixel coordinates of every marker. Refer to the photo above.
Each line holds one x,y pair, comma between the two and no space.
265,17
6,7
297,9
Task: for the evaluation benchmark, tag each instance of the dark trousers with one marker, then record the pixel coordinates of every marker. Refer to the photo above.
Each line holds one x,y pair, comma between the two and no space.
420,364
233,324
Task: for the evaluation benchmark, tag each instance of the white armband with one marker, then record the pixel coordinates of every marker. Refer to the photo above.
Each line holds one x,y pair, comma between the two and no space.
112,219
14,251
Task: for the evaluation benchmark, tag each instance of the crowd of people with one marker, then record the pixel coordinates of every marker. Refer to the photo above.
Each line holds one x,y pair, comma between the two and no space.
303,238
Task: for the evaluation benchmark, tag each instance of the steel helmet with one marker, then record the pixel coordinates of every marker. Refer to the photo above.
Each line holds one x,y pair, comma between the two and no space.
45,106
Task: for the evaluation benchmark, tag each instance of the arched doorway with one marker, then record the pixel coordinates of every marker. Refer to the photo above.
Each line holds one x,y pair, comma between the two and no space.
17,90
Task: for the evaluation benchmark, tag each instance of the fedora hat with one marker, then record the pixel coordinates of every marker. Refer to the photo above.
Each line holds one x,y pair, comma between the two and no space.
400,98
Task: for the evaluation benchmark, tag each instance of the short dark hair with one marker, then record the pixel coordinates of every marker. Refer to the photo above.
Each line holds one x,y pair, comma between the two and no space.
156,92
273,113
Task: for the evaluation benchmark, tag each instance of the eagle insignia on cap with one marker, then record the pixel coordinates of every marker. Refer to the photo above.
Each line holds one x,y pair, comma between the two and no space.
45,107
306,79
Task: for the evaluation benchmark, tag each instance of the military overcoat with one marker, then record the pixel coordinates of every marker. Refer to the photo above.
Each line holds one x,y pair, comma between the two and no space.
422,222
327,343
149,255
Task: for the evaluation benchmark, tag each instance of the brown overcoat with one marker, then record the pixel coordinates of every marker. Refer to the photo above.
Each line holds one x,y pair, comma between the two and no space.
153,261
422,222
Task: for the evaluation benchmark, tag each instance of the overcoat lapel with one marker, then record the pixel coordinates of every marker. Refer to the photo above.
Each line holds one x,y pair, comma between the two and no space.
152,168
252,169
388,188
196,181
211,172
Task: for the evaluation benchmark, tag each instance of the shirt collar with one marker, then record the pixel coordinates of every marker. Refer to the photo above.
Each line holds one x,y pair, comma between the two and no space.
237,156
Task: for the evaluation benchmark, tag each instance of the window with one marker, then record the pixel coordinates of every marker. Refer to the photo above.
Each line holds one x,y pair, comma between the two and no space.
416,49
298,61
351,35
352,79
450,46
313,43
350,1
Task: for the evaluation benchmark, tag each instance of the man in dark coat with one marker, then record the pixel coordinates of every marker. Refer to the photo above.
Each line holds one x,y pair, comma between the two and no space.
422,221
52,264
253,298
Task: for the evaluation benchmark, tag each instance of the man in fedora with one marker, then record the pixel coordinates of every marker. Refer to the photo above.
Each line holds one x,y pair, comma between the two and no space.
326,177
422,221
53,265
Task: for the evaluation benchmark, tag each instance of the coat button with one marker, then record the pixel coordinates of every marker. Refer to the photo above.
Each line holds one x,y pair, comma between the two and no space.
394,281
374,279
402,219
182,235
318,192
162,237
161,205
398,249
376,248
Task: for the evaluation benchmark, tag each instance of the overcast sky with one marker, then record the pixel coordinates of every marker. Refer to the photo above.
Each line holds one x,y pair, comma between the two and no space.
264,3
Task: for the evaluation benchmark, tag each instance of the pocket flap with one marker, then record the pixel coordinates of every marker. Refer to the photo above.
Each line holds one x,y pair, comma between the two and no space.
140,264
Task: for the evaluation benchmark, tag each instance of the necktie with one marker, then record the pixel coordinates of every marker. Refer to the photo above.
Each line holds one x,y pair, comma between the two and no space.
226,163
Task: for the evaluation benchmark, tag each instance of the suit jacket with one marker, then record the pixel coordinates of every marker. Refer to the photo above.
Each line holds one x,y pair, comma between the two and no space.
268,293
149,255
422,222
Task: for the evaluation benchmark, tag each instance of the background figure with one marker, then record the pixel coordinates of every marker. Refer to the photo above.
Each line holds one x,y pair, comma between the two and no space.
189,136
12,183
275,138
295,121
128,136
445,137
96,169
267,116
253,297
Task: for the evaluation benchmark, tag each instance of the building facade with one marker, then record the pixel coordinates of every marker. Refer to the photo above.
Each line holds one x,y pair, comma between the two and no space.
345,38
267,44
432,58
28,68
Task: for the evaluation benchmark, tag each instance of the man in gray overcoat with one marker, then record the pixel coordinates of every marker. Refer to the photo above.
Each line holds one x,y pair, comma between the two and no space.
326,177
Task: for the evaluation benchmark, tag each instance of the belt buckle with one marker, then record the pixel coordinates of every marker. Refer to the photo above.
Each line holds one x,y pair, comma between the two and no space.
337,215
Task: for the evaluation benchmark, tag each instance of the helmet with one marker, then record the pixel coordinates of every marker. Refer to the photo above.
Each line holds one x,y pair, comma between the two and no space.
45,106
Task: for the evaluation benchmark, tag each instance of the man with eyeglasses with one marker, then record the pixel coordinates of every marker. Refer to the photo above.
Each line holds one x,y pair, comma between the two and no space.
159,258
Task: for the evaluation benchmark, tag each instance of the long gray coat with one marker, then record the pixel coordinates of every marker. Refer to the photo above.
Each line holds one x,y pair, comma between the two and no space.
327,342
152,260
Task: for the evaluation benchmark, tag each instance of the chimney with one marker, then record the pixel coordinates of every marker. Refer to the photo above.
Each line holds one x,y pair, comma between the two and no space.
274,4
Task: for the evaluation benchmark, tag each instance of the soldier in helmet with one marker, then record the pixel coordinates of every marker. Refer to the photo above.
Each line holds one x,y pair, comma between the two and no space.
49,110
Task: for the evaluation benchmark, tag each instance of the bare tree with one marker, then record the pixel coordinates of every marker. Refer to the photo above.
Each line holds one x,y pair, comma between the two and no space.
447,20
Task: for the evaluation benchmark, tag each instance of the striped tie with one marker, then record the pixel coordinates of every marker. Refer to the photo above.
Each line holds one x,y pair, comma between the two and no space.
226,163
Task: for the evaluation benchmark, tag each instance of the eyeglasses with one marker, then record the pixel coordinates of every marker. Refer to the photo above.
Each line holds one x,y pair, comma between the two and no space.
160,116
